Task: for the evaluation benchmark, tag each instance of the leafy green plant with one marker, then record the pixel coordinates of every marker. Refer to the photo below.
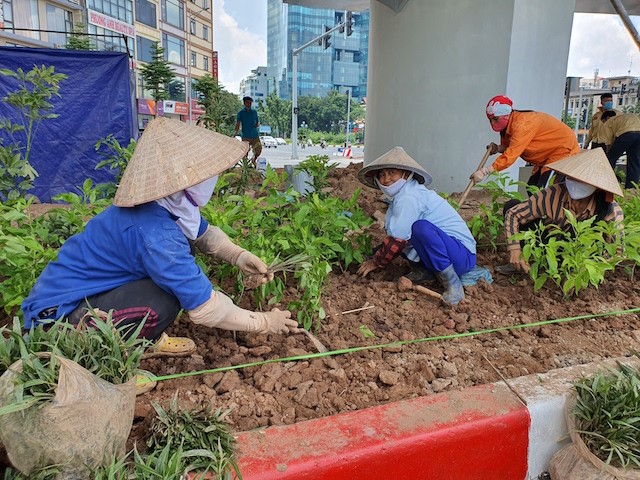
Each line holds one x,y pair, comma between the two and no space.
24,252
279,224
488,226
116,157
318,167
630,204
32,100
574,258
201,431
607,415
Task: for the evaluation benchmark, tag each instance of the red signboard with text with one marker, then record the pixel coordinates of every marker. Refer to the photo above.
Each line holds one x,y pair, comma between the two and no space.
214,65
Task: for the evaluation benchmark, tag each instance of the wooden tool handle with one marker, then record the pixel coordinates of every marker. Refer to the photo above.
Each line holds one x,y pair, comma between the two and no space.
468,189
426,291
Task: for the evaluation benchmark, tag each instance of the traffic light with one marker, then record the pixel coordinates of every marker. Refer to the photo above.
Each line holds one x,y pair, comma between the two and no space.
623,88
349,23
325,38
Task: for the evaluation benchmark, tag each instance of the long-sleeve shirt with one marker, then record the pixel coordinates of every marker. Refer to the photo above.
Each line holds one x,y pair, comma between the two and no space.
549,206
538,138
119,246
416,202
595,132
618,125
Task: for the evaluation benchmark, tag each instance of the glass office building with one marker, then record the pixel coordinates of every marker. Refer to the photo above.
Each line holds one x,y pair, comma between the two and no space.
341,67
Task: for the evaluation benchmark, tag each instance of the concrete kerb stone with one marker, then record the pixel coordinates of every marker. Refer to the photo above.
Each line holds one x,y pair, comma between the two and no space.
545,395
482,432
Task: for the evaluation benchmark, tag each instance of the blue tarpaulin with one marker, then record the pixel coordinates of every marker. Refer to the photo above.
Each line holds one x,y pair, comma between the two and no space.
95,101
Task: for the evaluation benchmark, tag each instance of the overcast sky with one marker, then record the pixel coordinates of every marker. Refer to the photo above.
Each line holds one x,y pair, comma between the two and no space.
240,29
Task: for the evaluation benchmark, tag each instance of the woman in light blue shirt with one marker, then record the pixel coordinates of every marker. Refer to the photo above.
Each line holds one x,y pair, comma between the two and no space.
420,224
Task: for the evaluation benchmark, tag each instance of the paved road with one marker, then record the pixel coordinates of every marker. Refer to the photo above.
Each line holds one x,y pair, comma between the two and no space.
281,156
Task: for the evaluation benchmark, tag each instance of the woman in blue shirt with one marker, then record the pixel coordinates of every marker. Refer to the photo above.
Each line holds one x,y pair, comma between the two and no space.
134,259
420,224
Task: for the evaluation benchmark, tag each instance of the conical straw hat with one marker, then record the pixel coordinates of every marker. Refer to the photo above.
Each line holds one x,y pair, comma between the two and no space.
394,158
592,167
171,156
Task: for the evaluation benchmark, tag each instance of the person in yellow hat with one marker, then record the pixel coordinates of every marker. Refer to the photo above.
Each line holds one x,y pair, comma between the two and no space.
587,192
420,225
134,259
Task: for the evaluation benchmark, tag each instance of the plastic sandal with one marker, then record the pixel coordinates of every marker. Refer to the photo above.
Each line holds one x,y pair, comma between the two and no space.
168,346
145,382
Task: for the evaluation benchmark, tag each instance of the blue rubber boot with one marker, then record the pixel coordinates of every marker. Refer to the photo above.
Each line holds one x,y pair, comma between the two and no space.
454,292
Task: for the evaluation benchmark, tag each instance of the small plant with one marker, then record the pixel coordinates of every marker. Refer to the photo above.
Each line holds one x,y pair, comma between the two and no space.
318,167
32,100
630,204
116,157
607,416
112,354
293,263
574,258
488,226
201,431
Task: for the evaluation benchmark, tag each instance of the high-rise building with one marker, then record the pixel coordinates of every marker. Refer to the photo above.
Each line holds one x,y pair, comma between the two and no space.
257,85
342,66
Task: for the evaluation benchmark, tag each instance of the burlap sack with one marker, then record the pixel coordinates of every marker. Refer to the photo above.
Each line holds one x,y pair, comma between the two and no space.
576,462
85,425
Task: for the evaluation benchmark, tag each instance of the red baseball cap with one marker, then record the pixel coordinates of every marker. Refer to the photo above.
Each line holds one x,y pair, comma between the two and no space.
499,106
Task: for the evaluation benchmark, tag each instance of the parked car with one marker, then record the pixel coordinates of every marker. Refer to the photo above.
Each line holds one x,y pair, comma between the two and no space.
281,141
238,137
268,141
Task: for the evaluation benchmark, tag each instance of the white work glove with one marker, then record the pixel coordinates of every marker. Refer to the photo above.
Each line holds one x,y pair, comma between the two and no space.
220,312
479,174
215,243
253,265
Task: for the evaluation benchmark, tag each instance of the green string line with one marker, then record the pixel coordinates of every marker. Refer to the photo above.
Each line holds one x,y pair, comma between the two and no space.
393,344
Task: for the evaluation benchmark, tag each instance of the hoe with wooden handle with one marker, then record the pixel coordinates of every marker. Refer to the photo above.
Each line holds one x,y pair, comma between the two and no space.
468,189
404,285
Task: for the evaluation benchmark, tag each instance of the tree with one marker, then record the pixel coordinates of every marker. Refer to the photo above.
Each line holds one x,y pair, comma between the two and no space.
277,113
157,74
32,99
219,105
570,121
78,40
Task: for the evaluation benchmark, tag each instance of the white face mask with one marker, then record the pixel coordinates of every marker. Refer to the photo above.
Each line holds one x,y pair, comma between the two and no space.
578,190
393,189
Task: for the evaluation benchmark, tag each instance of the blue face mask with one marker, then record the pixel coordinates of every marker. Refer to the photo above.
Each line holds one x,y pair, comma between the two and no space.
608,105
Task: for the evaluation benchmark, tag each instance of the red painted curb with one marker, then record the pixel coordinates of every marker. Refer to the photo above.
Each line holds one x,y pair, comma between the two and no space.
476,433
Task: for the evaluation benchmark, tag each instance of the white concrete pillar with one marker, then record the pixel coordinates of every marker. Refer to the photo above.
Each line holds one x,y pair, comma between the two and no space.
434,65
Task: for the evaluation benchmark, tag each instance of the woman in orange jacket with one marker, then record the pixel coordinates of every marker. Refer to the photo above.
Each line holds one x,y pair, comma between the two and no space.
536,137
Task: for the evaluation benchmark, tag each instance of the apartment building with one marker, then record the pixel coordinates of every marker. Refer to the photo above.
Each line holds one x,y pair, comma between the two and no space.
184,29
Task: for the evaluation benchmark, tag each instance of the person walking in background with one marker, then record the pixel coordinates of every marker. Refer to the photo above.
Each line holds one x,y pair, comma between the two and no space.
248,119
595,134
536,137
621,133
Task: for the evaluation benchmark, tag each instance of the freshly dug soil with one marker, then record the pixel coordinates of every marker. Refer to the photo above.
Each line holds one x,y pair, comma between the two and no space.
294,391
